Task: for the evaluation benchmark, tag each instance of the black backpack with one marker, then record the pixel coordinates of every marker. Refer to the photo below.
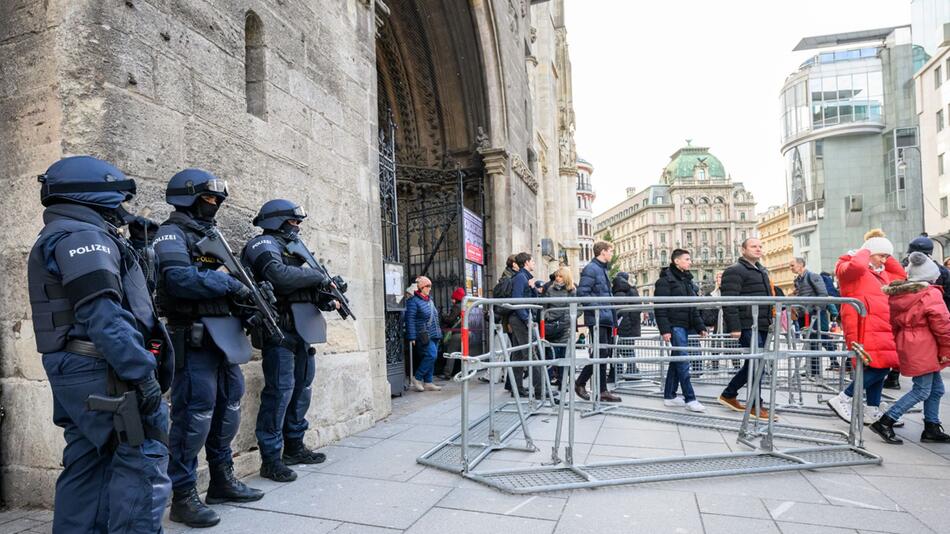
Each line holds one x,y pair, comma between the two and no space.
502,290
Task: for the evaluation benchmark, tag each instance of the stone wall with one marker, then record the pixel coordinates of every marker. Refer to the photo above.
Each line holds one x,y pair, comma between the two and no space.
156,86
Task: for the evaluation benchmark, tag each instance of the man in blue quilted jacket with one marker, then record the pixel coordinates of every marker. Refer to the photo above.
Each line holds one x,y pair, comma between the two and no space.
595,282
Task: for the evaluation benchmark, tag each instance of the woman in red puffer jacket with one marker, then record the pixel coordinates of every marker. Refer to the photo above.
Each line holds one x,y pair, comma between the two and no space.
921,325
861,275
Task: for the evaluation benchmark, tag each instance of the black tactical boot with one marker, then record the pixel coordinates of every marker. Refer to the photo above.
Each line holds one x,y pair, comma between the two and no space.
187,508
225,487
884,427
295,452
933,433
277,471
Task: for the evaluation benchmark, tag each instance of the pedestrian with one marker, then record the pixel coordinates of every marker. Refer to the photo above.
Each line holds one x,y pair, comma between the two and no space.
424,333
198,301
676,325
921,325
523,286
557,322
746,278
628,327
289,365
94,324
596,283
451,322
861,274
816,318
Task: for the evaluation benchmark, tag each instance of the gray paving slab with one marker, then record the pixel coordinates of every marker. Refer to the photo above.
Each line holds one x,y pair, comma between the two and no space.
630,509
437,477
787,486
850,490
391,459
889,469
654,439
358,442
20,524
495,502
384,429
355,528
690,433
236,520
800,528
632,452
721,524
10,515
426,433
355,500
45,528
751,507
908,453
845,517
926,499
334,455
543,454
464,522
702,447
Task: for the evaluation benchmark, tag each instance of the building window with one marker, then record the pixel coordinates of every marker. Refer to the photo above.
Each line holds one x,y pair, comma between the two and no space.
940,164
938,77
689,238
741,215
940,120
255,71
947,67
943,207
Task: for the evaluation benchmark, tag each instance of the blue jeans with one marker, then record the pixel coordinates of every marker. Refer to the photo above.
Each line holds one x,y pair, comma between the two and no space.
427,362
678,373
927,389
873,385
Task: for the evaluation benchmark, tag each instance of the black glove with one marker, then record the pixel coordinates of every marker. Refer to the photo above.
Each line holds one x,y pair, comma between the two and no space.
149,395
241,292
340,283
325,284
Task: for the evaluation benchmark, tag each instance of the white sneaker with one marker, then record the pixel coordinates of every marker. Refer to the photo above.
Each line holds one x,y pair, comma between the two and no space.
415,384
695,406
677,402
841,405
429,386
884,407
872,414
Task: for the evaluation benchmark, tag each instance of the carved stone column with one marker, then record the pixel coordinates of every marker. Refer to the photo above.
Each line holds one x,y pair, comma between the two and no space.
497,170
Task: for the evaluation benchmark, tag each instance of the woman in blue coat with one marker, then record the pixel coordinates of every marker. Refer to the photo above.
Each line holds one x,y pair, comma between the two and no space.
424,332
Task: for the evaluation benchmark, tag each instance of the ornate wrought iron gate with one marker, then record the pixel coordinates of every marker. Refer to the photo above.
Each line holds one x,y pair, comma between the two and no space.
389,219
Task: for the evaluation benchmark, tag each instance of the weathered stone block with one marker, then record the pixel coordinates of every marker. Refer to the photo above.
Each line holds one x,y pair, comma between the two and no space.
26,487
18,346
29,436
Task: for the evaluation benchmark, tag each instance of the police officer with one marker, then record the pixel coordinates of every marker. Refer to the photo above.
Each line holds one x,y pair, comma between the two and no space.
94,324
289,365
201,305
142,231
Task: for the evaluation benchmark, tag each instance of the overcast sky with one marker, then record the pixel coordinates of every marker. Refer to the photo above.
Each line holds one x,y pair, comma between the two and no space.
650,74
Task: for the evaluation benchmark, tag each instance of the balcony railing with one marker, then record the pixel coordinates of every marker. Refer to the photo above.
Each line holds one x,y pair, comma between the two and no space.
584,187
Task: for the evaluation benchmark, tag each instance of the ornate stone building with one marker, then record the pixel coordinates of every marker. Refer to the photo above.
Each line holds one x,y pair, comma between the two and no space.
585,217
423,136
777,245
695,206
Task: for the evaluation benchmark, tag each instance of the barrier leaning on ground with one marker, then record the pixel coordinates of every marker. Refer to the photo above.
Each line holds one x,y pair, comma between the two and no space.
776,366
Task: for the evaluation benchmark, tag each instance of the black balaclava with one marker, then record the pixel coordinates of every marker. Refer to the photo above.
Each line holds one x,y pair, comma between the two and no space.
205,211
290,230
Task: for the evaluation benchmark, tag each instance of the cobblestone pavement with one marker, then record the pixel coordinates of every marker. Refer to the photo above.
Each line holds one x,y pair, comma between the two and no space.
372,484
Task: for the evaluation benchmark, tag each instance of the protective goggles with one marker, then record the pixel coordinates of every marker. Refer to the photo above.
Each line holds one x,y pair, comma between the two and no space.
111,184
214,187
297,213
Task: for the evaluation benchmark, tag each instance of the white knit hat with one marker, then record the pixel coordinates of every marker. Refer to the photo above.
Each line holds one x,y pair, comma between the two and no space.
920,268
876,242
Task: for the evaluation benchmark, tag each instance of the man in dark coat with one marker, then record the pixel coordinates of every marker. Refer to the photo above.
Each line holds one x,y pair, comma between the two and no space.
675,325
596,283
746,278
629,322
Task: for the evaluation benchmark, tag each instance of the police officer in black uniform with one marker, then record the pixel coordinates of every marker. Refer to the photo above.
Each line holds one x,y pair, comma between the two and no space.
289,365
95,325
201,304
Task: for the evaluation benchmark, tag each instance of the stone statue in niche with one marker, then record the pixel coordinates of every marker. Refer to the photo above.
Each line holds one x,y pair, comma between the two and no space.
482,141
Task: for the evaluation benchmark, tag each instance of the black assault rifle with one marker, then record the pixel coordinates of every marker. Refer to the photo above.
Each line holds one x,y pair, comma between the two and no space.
297,247
214,244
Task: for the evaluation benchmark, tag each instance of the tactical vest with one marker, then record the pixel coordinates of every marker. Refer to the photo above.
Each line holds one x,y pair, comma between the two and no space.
52,311
185,311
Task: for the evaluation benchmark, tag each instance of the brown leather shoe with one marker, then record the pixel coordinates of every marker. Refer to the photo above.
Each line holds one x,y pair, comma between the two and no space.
764,415
732,404
581,392
607,396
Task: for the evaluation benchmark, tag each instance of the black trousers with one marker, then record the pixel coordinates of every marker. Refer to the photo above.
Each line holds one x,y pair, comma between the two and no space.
519,336
606,336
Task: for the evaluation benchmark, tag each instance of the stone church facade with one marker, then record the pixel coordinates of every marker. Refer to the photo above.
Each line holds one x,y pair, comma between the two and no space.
383,119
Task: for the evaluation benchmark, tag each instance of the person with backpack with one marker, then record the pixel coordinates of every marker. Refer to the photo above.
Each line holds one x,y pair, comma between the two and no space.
811,284
596,283
451,337
921,325
628,327
522,286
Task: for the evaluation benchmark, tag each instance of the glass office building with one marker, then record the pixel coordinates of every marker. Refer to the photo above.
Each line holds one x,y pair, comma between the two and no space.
848,120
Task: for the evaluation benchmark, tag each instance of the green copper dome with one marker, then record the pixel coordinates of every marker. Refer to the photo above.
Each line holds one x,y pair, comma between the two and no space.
687,162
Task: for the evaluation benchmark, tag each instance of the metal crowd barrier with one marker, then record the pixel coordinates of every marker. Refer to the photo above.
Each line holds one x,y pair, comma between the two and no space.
505,422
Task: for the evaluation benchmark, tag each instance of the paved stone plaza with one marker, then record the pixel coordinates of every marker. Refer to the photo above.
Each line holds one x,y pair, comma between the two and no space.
372,484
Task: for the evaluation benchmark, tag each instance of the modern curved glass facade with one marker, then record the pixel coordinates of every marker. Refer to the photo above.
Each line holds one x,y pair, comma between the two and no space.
832,89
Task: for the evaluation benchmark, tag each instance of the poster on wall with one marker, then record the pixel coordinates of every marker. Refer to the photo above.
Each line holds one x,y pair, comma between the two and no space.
473,234
474,286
